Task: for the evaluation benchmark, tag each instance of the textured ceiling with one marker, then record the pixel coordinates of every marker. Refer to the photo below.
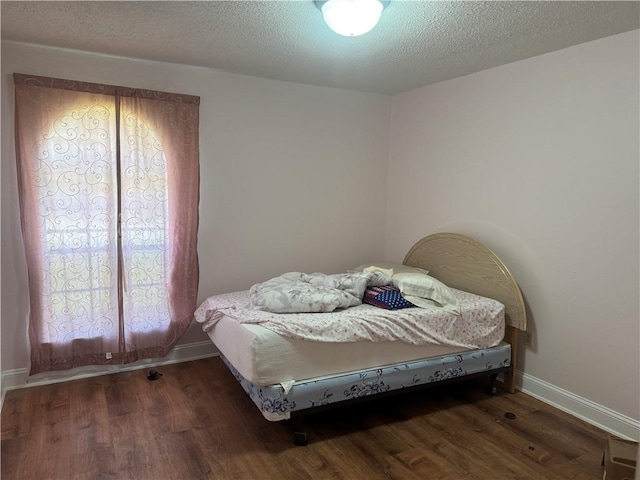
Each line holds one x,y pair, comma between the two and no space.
416,43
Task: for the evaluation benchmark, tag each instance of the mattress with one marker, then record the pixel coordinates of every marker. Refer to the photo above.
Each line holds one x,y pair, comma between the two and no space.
480,324
264,357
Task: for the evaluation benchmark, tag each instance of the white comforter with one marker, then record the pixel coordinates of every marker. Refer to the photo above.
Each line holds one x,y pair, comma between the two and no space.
296,292
480,324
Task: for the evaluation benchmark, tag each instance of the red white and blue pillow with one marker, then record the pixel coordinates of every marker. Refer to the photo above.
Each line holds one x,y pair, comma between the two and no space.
386,297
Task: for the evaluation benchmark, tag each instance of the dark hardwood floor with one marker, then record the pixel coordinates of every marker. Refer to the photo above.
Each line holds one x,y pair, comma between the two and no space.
196,422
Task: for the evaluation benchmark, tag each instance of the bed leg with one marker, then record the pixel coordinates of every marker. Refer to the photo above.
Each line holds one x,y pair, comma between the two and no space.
491,388
299,434
300,439
511,336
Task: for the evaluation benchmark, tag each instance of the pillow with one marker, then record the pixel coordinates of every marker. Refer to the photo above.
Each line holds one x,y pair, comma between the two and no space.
418,287
386,297
384,266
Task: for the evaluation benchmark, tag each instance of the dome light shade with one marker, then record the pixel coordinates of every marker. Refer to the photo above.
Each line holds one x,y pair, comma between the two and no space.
351,18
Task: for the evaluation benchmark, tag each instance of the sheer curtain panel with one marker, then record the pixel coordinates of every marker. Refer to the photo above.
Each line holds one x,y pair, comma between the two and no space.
108,180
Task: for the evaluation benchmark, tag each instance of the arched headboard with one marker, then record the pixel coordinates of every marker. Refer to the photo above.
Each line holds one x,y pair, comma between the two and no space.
466,264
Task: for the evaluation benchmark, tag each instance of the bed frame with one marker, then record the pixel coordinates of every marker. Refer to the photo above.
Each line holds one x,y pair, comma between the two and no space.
459,262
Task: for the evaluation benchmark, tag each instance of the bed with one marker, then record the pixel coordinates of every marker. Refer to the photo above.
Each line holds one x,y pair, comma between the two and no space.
288,378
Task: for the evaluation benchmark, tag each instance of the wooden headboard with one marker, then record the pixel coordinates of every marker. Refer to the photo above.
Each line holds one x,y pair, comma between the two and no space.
466,264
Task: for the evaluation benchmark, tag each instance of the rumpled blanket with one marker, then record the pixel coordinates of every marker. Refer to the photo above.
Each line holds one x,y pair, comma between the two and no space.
480,325
296,292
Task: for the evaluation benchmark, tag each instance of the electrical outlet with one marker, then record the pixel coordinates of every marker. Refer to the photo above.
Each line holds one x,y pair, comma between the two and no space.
528,338
108,355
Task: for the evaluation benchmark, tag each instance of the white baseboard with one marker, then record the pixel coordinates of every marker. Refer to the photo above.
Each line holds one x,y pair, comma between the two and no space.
591,412
19,378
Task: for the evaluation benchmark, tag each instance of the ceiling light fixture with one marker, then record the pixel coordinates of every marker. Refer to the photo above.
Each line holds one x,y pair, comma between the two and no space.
351,18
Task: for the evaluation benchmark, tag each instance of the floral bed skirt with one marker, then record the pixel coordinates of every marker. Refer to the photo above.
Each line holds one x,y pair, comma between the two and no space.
277,402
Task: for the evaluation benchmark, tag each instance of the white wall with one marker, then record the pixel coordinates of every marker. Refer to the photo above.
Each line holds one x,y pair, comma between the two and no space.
289,175
539,160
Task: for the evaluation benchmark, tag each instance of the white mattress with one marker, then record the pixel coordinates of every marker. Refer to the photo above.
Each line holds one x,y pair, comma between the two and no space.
266,358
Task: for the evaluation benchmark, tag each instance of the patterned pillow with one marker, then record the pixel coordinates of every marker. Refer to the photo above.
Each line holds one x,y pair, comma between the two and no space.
386,297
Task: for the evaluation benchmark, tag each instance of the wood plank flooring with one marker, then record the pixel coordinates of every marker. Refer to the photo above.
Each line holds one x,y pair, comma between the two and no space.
196,422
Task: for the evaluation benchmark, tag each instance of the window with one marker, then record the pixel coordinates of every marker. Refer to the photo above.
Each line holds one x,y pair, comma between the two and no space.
109,190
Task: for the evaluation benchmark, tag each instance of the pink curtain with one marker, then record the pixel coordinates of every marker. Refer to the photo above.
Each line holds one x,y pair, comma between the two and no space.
109,190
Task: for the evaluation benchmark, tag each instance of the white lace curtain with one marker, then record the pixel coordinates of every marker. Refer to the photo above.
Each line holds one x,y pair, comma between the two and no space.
109,190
